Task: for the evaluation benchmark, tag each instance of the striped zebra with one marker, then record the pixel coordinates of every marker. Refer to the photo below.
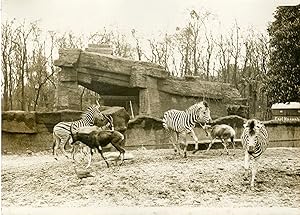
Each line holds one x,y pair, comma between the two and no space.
255,141
185,121
61,131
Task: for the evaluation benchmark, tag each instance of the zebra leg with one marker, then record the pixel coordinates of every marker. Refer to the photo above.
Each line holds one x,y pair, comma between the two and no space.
175,144
75,148
56,143
185,147
254,171
246,165
74,151
195,138
89,158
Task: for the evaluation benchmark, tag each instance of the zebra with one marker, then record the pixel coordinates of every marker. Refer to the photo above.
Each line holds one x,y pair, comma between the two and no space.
61,131
255,141
185,121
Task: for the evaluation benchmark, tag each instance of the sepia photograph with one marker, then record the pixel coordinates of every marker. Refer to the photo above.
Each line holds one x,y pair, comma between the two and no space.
122,107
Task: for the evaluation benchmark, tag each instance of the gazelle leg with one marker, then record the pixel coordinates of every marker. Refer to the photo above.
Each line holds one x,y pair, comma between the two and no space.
100,151
211,143
233,147
224,142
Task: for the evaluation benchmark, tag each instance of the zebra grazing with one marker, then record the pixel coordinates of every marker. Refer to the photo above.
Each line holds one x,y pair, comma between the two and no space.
61,131
255,141
185,121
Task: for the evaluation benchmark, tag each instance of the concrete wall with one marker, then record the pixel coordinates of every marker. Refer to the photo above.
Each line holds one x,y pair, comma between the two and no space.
32,131
148,131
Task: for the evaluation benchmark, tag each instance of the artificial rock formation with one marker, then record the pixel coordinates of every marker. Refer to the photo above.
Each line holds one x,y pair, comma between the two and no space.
142,88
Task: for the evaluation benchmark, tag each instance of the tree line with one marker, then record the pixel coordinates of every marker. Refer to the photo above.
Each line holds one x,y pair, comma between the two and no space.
263,67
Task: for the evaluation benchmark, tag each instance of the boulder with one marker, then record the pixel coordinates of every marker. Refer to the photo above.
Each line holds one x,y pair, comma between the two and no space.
120,118
19,122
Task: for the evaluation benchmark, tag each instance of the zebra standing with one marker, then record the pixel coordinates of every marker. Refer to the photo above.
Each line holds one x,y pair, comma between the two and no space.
185,121
61,131
255,141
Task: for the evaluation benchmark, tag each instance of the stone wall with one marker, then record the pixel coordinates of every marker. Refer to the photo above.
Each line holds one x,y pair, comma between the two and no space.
32,131
23,131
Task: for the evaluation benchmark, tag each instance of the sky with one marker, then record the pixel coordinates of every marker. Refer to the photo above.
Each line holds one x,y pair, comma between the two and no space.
147,17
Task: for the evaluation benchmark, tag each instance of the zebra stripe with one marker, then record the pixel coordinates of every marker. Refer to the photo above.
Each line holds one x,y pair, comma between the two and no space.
255,138
62,130
185,121
180,121
255,141
87,119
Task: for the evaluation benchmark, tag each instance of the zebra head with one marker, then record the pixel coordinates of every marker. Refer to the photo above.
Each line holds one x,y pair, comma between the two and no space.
252,127
202,113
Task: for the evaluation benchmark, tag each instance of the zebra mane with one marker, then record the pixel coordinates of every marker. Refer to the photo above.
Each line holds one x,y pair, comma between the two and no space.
251,127
88,110
197,106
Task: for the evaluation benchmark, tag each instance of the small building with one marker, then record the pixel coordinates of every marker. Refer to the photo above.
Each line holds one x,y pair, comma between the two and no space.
286,111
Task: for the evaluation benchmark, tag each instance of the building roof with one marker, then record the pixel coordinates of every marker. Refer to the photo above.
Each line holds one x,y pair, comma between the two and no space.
290,105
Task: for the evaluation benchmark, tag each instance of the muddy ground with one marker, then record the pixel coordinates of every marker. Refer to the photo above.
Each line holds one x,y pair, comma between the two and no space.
153,178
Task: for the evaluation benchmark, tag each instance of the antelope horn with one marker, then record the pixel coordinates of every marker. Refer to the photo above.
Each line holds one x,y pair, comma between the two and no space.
97,103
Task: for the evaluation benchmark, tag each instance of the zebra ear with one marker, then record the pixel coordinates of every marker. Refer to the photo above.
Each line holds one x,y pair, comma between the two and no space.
246,124
258,125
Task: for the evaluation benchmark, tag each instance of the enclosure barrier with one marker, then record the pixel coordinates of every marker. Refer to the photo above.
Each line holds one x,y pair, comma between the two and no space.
27,132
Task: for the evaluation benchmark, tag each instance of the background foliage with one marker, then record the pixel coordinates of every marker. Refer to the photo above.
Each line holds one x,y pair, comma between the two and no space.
264,68
284,65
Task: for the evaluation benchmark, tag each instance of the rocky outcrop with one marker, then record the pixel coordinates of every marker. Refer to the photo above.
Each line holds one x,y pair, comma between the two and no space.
153,90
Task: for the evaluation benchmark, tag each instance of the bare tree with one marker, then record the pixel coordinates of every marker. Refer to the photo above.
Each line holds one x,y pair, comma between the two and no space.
138,44
40,61
160,51
7,48
235,52
223,57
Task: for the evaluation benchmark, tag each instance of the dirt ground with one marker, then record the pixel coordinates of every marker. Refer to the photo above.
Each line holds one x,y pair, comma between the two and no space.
153,178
